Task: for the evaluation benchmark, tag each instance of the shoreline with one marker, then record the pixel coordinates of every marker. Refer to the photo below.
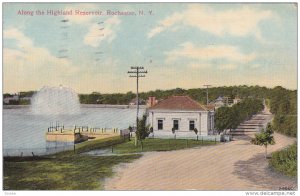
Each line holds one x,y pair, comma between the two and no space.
83,106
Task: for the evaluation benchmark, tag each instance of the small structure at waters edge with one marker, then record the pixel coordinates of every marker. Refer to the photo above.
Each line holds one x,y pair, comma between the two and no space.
66,136
79,134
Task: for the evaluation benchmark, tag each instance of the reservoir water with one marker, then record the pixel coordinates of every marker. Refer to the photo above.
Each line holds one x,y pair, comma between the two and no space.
24,132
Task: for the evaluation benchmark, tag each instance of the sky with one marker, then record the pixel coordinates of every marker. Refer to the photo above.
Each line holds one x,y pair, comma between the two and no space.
185,45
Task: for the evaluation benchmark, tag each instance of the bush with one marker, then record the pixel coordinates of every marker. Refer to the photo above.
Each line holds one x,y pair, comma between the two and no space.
285,161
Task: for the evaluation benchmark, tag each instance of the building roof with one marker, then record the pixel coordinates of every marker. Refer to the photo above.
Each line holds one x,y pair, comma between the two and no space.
178,103
210,107
220,99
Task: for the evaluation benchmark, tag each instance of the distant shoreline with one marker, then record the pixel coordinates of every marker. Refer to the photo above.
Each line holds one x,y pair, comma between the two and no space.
110,106
83,106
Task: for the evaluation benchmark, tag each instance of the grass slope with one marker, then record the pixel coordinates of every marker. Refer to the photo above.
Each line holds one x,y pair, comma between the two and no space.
150,144
77,171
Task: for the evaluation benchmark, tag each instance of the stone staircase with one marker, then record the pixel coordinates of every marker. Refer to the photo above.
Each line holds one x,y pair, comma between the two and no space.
252,126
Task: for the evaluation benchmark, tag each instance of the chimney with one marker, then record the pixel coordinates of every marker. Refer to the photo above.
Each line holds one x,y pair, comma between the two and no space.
152,101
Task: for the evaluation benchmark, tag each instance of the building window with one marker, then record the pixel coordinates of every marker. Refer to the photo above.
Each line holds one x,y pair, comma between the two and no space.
160,125
175,124
192,125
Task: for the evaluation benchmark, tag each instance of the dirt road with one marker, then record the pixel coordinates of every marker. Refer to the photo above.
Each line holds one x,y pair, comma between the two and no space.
237,165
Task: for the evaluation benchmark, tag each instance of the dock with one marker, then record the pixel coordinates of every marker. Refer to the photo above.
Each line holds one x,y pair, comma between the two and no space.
79,133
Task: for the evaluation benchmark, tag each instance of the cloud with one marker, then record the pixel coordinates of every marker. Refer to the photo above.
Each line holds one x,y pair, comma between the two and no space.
228,66
226,52
198,65
255,65
15,34
166,23
236,22
95,36
29,67
34,67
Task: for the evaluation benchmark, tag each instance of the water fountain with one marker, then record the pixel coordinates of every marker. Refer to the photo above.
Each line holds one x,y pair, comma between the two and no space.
55,101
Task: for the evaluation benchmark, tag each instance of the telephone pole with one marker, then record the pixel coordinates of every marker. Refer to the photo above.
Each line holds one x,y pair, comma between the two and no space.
137,72
207,85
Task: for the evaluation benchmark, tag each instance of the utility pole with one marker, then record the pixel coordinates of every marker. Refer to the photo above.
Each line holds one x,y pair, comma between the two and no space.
137,72
207,85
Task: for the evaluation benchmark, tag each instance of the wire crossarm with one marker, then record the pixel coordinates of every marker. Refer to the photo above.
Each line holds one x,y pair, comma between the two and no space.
137,72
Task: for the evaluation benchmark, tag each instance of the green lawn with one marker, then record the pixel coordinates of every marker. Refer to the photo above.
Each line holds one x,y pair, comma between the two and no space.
65,170
150,144
77,171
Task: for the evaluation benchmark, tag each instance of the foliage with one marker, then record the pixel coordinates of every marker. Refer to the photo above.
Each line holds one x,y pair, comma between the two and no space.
143,130
269,129
173,130
285,161
284,106
282,102
24,102
26,94
98,98
264,138
196,131
231,117
130,128
151,129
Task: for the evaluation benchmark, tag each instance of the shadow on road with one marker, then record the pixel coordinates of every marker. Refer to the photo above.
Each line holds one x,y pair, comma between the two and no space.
257,171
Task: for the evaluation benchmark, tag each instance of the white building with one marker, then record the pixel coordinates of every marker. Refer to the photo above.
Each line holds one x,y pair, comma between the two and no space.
182,113
236,100
220,102
7,100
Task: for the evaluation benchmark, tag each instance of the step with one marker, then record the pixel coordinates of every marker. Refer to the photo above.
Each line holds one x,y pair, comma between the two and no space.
245,127
244,132
253,124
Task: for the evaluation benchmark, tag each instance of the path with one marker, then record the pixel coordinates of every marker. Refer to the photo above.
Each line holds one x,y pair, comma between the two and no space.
237,165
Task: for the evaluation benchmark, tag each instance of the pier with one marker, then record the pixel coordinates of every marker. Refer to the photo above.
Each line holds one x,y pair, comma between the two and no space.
79,134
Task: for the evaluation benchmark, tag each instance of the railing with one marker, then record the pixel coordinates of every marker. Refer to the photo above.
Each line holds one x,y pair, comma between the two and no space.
183,135
35,151
81,129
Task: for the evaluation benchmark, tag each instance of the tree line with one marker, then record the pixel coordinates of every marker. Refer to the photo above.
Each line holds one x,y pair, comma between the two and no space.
231,117
282,102
114,98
